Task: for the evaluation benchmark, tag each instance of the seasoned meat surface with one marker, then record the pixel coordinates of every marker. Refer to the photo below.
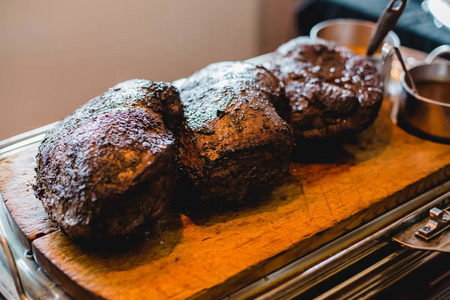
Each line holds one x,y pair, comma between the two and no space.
332,91
234,142
109,167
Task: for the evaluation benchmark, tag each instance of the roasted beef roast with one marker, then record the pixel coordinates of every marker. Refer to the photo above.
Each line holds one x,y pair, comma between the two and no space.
333,92
234,143
109,167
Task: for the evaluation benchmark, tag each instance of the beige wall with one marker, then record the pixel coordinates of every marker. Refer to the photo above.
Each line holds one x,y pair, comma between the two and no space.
56,55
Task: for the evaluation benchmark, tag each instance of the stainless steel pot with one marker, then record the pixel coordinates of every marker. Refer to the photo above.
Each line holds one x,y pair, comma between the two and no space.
356,35
426,117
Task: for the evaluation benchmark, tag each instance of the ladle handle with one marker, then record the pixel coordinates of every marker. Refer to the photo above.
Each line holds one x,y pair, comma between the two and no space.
385,23
408,75
386,51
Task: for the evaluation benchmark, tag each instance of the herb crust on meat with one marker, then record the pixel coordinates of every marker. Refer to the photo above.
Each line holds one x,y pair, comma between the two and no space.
333,92
234,143
109,167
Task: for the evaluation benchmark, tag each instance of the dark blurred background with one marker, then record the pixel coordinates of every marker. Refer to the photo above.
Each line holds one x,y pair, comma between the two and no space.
416,28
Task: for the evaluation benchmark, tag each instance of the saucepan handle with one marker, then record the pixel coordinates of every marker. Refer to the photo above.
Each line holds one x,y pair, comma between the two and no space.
387,55
437,52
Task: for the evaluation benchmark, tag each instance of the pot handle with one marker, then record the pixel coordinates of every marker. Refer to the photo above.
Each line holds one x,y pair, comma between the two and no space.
387,55
390,90
437,52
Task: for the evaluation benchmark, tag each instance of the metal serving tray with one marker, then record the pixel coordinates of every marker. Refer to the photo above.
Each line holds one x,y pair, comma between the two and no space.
373,239
306,276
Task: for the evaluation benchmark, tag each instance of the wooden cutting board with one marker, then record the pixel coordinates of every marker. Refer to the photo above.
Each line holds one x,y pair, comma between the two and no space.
207,256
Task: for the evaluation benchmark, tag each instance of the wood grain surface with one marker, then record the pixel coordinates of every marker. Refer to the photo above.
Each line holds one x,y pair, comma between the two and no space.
16,179
330,191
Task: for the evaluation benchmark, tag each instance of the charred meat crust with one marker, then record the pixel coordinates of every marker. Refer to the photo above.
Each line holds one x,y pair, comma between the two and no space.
332,91
233,142
109,167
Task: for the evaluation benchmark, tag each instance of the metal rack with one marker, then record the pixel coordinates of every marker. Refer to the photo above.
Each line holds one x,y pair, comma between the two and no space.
373,242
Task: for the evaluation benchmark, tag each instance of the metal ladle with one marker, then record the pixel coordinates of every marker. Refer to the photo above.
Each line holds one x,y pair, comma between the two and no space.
387,51
408,75
385,23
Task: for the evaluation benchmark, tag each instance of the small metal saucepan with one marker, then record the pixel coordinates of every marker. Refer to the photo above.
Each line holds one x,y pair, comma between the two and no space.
427,111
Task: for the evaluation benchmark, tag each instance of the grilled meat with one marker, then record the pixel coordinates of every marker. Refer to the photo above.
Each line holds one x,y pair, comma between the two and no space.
109,167
234,143
333,92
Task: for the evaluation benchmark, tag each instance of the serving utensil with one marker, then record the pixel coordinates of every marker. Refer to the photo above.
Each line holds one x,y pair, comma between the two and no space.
405,69
385,23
